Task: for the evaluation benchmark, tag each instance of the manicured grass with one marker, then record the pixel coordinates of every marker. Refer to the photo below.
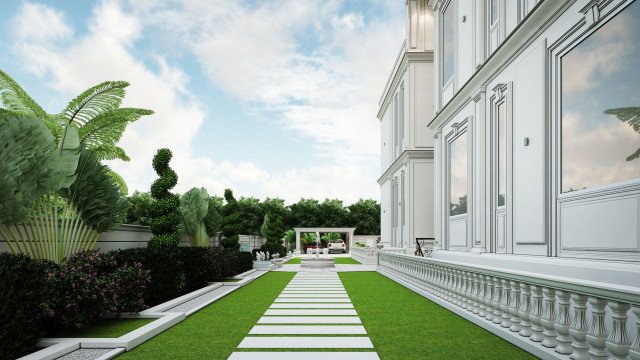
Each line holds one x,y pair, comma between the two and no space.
339,260
215,331
405,325
105,328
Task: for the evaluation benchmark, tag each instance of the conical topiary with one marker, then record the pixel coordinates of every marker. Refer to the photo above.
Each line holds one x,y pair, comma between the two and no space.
165,211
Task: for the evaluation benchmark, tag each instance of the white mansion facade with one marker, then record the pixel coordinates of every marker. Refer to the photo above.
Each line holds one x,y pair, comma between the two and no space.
526,116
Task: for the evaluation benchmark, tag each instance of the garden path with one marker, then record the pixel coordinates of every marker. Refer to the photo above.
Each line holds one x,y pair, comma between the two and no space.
313,314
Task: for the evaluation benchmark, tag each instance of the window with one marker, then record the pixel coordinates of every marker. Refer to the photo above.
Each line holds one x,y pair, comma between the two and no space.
396,127
448,42
601,105
502,153
401,116
458,178
493,11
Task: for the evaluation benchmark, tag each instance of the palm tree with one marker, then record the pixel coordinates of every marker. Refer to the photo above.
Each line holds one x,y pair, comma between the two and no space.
631,116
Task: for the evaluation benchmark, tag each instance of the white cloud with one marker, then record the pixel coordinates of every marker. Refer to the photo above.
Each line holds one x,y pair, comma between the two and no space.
326,91
39,23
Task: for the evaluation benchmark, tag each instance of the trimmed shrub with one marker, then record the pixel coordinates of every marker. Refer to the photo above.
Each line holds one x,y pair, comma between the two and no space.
90,285
231,223
165,210
22,303
244,262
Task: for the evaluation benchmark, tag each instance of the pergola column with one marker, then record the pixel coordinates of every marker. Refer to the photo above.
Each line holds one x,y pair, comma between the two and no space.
298,241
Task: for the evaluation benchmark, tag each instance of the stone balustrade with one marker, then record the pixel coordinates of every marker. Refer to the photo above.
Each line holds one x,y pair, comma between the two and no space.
553,317
365,255
394,250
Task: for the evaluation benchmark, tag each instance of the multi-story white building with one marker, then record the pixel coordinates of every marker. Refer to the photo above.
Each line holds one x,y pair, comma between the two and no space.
536,108
406,107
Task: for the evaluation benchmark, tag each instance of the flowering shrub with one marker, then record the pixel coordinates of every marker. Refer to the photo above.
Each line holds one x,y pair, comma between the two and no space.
90,285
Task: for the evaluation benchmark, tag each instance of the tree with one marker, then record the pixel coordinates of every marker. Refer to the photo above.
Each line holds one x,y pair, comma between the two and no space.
290,239
332,213
194,206
213,219
460,207
139,212
165,210
231,222
276,207
251,215
273,230
364,215
305,213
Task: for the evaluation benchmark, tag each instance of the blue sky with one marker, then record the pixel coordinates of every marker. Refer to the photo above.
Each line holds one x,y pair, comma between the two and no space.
269,98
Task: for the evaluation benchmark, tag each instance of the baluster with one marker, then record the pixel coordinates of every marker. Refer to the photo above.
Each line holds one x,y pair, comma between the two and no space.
549,318
482,295
464,288
497,299
454,287
618,342
488,297
536,314
514,309
579,328
476,293
460,289
634,352
597,333
563,322
525,310
506,302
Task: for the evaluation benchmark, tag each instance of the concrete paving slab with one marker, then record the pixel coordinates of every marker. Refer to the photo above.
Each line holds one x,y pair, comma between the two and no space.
310,300
309,320
306,342
308,330
314,295
307,355
311,306
308,312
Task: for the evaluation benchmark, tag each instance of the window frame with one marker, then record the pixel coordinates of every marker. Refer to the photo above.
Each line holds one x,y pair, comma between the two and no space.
457,130
446,83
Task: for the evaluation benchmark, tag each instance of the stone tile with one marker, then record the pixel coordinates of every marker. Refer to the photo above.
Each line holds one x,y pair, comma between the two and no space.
307,355
314,295
311,306
306,342
310,300
309,320
306,312
308,330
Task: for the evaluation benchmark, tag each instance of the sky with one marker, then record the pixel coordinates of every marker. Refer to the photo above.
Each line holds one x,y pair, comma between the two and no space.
272,98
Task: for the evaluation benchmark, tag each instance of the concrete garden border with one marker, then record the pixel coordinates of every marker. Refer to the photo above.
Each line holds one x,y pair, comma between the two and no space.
165,319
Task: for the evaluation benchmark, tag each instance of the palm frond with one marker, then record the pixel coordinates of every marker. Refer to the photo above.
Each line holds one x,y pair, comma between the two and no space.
105,152
631,116
14,98
95,101
119,181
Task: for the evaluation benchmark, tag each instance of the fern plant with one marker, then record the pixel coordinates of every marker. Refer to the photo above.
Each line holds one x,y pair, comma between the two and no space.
165,211
194,205
95,115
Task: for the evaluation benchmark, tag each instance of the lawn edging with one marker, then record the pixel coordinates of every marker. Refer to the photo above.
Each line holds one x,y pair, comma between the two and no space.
165,319
496,329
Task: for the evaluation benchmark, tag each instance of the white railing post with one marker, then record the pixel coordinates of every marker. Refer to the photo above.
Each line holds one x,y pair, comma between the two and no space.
634,352
618,342
488,300
579,328
597,333
563,322
537,309
525,310
497,299
506,304
549,318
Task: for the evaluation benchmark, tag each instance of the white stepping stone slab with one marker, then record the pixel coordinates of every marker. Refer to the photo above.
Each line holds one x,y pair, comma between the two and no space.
309,320
313,295
306,342
308,330
308,300
307,312
311,306
307,355
313,291
311,287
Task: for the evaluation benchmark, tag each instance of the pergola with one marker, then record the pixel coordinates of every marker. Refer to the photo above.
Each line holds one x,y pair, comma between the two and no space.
347,230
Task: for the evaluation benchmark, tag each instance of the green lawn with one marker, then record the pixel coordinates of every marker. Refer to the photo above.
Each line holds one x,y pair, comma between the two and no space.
339,260
105,328
215,331
405,325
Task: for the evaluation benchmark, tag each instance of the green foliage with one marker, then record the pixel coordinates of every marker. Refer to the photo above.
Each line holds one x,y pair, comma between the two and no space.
290,238
273,230
307,238
276,207
631,116
139,211
251,215
194,206
213,219
30,166
165,210
460,207
22,303
330,236
333,213
364,215
305,213
95,195
231,223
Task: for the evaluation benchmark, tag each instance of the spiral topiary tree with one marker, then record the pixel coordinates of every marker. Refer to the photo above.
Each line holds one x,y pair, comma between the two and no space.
165,211
231,223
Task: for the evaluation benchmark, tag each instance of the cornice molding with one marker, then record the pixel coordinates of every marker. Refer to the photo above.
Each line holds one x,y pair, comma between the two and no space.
400,161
